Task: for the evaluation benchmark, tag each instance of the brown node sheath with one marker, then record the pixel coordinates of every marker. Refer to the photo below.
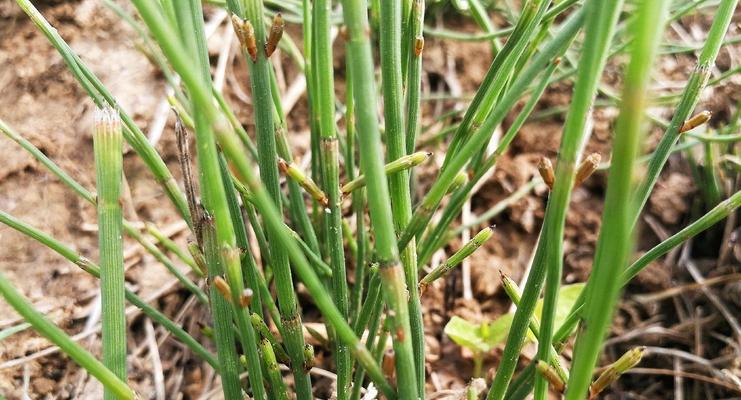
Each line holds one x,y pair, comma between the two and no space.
545,168
223,287
419,45
587,167
276,33
246,35
697,120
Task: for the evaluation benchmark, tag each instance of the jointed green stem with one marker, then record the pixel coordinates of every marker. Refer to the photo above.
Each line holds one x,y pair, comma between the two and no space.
223,250
371,161
113,384
401,201
599,25
108,143
323,104
615,241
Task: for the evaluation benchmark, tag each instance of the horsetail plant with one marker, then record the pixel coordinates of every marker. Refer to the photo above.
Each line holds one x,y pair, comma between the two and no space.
108,144
225,199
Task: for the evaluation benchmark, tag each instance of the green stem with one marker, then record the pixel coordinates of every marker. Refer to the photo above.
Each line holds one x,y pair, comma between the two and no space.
324,102
111,382
371,161
108,144
599,26
691,96
615,241
253,11
190,20
401,201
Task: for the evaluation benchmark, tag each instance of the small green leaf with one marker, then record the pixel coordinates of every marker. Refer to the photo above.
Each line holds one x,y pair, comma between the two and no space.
479,338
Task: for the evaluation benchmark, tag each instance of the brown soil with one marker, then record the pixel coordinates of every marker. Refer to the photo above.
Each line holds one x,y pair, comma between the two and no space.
41,100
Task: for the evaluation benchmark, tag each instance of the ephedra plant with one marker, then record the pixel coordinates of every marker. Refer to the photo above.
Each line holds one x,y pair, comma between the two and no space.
260,224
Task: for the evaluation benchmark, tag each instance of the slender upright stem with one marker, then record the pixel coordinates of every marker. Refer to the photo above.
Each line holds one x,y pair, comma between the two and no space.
324,107
600,20
401,201
371,161
108,143
253,11
223,250
114,386
615,240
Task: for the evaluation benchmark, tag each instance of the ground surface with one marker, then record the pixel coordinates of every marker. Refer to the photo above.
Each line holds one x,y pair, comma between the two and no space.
41,100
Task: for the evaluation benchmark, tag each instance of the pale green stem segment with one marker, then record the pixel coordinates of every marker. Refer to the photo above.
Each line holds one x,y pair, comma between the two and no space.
111,382
379,200
403,163
615,242
128,227
457,258
89,267
260,83
108,150
392,66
